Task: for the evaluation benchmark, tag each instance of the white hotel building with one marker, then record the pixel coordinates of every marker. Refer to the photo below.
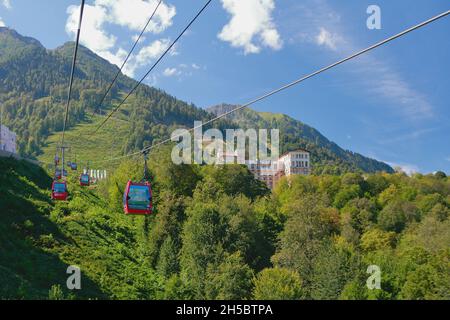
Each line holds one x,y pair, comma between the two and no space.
291,163
7,140
296,162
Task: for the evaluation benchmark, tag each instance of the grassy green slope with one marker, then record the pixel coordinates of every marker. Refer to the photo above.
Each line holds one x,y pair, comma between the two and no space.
40,239
106,143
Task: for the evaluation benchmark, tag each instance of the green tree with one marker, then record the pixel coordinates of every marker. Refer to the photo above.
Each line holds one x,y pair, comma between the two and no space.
231,280
175,289
56,293
301,240
346,194
396,215
376,239
420,283
168,263
333,267
235,180
202,235
278,284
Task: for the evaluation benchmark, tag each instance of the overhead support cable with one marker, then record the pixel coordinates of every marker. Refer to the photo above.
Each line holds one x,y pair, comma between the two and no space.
69,93
291,84
72,72
127,58
152,68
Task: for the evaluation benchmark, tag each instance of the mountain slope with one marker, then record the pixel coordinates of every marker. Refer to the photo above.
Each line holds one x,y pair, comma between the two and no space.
33,90
39,239
327,156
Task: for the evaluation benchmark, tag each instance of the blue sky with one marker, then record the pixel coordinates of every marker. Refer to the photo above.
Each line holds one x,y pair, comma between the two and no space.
391,104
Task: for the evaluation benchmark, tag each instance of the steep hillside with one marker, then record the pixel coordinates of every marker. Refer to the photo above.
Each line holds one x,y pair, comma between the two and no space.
327,156
40,239
33,89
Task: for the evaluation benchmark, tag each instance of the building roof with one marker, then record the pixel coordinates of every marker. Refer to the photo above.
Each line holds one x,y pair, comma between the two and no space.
297,150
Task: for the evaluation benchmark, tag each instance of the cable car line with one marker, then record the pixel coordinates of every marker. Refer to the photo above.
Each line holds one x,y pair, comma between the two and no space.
291,84
153,67
59,188
72,73
127,58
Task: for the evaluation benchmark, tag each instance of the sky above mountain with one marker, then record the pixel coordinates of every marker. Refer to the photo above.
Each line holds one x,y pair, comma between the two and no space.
391,104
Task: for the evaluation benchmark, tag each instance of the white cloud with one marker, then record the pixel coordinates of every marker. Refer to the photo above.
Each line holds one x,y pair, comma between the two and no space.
136,36
2,24
328,39
152,51
170,72
251,25
409,169
181,71
7,4
130,14
448,159
376,76
134,14
93,33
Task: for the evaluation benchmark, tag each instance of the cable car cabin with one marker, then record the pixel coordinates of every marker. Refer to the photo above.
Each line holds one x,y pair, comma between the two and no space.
137,199
74,166
59,191
57,174
85,180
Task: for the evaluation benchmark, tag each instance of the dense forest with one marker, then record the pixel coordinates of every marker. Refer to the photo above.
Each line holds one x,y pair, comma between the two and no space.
219,234
33,90
216,233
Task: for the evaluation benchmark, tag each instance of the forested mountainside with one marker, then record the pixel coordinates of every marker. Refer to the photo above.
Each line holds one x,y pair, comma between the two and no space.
327,156
33,91
217,233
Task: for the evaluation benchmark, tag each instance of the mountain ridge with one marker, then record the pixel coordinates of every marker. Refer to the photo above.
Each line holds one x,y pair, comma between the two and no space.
33,89
289,128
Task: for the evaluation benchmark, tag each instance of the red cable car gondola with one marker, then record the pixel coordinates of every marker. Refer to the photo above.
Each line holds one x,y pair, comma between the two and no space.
59,191
58,174
85,180
137,198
